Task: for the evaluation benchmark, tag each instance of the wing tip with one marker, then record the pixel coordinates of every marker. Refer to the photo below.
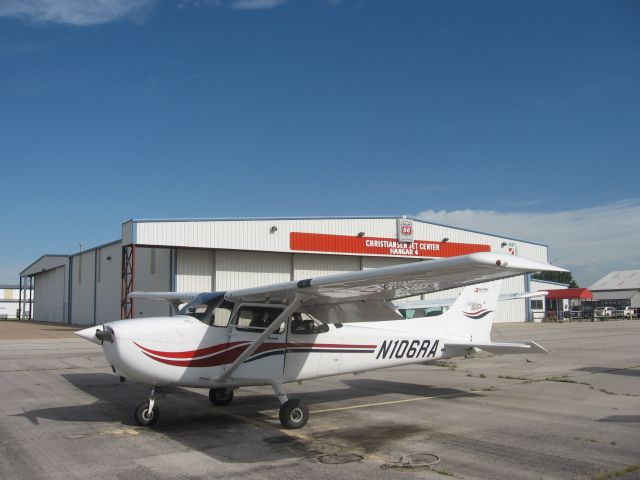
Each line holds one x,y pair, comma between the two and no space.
513,261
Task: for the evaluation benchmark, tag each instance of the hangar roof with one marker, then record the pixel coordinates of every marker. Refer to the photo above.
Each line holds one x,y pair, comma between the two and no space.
44,263
621,280
614,295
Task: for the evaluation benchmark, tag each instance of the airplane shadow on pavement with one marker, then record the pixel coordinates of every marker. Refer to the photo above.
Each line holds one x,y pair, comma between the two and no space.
246,431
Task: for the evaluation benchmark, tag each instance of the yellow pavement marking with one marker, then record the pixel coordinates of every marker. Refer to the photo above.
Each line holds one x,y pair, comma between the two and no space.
390,402
120,431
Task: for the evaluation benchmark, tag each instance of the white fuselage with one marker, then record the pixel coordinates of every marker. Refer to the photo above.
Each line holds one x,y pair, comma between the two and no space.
182,351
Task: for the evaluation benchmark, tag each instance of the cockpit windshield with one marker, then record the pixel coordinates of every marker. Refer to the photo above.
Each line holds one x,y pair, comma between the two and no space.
210,308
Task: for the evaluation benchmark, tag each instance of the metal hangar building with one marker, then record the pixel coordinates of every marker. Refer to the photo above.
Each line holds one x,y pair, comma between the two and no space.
90,287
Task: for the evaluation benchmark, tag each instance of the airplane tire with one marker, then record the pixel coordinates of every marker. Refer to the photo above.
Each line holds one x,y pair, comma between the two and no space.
146,417
293,414
220,396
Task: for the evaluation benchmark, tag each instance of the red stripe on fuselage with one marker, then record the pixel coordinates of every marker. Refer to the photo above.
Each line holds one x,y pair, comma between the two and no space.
191,353
226,356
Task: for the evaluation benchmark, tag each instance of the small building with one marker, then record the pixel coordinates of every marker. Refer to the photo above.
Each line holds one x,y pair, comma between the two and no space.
92,286
542,308
575,303
618,289
15,301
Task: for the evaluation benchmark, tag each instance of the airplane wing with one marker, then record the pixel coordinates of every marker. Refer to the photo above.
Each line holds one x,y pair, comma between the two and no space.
366,295
370,289
447,302
501,348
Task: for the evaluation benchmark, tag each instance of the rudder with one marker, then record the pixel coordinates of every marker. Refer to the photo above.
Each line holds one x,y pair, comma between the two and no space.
471,316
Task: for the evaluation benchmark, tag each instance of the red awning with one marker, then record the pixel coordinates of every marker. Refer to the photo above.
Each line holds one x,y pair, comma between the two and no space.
570,293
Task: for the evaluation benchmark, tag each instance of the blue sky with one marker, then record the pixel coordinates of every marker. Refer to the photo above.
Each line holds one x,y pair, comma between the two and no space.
519,118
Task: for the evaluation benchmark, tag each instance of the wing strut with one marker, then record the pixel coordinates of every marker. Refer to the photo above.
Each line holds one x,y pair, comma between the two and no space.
260,340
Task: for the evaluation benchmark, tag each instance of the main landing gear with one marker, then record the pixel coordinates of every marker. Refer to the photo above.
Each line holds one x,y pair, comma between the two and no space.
293,413
220,396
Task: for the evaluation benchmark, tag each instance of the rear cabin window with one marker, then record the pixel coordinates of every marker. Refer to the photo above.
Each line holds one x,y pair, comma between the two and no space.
410,313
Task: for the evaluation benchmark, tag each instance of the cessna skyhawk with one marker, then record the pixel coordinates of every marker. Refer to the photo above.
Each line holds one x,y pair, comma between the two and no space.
313,328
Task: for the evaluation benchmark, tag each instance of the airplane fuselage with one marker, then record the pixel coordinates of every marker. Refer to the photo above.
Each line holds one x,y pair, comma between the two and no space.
182,351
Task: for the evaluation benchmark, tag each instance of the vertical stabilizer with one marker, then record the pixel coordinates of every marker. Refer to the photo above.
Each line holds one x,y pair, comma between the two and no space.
471,316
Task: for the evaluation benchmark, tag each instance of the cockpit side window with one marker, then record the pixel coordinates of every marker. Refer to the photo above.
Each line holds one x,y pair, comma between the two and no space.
210,308
305,324
222,314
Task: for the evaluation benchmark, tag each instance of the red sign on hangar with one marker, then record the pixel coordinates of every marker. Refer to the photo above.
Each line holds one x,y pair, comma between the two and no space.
321,242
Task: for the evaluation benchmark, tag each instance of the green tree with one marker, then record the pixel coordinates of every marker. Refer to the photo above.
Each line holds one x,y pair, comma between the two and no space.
559,277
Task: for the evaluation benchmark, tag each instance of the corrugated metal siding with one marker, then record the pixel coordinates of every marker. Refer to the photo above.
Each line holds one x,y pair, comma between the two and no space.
82,302
108,284
48,303
378,262
152,277
195,270
538,285
310,266
512,311
251,269
257,235
127,233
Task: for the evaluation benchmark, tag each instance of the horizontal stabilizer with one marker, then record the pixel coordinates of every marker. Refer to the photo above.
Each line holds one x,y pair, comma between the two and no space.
501,348
171,297
175,299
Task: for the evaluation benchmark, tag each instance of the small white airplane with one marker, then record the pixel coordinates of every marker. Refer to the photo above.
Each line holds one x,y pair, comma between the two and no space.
308,329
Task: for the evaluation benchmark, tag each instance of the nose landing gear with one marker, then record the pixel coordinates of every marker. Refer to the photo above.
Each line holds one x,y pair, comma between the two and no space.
147,413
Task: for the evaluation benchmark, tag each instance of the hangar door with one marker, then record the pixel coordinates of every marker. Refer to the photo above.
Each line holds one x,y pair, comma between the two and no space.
195,270
250,269
309,266
48,304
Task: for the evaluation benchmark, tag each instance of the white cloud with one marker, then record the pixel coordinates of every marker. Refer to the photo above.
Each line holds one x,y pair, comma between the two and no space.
74,12
256,4
591,242
233,4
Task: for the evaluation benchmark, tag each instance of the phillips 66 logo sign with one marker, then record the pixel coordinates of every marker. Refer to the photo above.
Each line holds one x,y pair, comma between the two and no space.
405,230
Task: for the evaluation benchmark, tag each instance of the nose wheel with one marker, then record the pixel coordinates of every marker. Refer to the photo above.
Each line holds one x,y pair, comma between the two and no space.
147,413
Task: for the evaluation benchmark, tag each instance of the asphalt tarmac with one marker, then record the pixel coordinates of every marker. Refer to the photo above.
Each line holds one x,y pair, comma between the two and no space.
571,414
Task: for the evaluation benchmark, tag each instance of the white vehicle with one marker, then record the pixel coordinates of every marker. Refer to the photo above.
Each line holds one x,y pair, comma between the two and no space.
603,312
628,312
308,329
